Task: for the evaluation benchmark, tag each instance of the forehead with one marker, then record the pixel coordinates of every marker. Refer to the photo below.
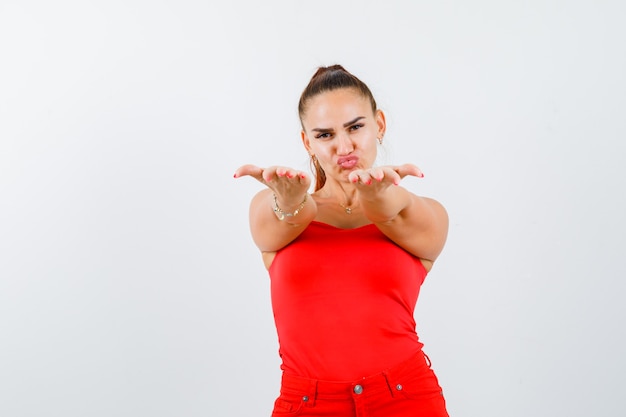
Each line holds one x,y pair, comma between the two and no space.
337,106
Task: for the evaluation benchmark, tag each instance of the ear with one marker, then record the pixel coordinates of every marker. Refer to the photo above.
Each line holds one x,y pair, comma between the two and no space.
381,122
305,141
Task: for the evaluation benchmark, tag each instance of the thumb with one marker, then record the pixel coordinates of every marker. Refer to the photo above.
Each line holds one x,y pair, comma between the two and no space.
409,169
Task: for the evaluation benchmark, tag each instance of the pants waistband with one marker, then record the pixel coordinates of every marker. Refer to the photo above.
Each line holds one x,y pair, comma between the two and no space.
313,389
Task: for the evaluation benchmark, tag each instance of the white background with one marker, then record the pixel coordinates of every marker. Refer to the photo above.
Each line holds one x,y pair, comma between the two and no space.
129,283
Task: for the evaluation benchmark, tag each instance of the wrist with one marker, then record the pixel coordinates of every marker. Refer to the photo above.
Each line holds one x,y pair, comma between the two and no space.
282,214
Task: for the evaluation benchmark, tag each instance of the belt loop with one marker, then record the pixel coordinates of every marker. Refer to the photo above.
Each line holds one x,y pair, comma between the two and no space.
311,395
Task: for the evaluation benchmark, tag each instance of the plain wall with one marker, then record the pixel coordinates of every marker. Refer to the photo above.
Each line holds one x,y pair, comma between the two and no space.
129,283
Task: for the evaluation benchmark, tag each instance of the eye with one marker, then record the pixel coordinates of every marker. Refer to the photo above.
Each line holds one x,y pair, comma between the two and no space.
356,126
324,135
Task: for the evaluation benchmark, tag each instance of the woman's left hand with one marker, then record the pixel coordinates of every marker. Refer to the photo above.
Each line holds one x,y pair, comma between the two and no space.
417,224
379,178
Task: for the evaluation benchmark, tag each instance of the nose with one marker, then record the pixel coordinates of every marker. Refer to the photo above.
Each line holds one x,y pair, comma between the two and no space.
344,144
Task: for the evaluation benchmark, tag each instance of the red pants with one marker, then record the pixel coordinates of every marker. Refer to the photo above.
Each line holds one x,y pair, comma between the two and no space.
408,389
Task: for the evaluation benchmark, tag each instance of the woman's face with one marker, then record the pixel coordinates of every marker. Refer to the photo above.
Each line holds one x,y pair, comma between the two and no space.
342,132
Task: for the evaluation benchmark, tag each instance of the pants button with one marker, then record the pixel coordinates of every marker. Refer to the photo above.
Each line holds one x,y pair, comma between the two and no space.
358,389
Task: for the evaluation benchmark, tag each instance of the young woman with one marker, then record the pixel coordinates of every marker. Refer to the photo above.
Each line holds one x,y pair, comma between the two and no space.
346,263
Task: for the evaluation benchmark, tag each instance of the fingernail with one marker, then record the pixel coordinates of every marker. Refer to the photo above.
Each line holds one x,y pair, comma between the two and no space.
421,175
235,176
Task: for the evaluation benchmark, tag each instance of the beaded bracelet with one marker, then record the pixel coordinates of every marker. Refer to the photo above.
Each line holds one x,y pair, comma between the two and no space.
282,215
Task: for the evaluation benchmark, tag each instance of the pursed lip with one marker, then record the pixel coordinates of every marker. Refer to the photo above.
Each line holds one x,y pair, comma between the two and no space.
348,162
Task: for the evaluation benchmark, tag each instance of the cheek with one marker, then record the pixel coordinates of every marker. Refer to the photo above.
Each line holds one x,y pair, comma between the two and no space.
323,155
368,140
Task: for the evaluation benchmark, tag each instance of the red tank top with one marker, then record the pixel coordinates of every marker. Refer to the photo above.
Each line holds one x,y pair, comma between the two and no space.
343,302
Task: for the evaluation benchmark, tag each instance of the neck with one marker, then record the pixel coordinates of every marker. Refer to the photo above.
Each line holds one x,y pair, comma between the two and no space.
345,194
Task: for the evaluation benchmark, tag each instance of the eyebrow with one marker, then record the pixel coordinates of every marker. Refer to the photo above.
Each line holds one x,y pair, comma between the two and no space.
351,122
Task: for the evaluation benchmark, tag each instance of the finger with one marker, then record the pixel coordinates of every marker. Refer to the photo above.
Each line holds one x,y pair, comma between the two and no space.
286,172
281,171
303,177
270,173
409,169
355,176
377,173
392,175
363,177
249,169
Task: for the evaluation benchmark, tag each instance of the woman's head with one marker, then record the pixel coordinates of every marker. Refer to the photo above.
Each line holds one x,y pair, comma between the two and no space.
332,98
332,78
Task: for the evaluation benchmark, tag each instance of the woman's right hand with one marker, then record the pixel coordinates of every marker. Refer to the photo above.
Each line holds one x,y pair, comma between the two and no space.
274,227
289,185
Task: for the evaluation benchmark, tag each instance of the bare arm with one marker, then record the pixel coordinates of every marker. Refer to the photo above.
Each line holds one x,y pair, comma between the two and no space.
417,224
290,187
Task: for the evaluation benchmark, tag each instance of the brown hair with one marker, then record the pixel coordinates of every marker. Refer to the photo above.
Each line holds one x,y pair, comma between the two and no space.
325,79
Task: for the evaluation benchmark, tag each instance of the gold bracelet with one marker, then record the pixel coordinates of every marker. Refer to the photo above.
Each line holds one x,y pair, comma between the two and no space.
282,215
